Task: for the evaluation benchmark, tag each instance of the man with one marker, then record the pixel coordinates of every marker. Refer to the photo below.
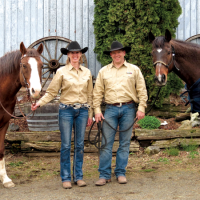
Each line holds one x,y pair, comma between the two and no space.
122,85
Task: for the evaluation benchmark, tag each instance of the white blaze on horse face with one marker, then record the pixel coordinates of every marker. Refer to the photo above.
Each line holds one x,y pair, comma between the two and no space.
159,65
3,175
34,78
159,50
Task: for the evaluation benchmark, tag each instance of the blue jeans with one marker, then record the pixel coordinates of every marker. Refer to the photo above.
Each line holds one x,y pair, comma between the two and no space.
68,118
124,117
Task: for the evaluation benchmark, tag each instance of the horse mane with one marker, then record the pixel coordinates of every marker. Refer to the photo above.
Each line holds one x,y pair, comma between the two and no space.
11,60
182,48
160,41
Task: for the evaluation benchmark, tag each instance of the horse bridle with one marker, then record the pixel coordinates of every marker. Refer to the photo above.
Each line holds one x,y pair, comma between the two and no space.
172,60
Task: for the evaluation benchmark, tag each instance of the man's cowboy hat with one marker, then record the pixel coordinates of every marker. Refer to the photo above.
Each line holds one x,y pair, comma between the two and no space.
117,46
73,46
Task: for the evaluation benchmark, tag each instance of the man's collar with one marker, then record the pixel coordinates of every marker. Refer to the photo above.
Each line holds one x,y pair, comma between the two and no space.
112,64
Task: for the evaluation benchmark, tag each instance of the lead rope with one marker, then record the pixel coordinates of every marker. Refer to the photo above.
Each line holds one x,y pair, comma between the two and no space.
97,140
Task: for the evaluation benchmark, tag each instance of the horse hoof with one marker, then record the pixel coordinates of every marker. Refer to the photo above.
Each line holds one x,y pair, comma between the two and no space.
9,184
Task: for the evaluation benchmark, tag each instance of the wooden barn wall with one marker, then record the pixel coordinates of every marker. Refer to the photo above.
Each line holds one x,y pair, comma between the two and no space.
30,20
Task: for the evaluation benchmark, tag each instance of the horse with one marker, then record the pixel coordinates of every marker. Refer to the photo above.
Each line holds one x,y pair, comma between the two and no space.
17,68
181,57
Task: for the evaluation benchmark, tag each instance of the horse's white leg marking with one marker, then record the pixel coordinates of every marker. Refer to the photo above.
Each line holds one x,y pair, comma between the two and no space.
35,78
7,182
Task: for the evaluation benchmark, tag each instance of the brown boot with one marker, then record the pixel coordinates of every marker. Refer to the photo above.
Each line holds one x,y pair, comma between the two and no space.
67,185
102,182
81,183
122,179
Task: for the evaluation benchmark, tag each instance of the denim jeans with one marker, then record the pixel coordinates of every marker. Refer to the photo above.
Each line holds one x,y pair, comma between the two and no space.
69,118
124,117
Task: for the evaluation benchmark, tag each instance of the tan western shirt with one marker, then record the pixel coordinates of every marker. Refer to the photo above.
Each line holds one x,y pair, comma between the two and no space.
120,85
75,86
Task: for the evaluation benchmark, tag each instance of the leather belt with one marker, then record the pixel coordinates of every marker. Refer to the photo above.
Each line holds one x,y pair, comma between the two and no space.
120,104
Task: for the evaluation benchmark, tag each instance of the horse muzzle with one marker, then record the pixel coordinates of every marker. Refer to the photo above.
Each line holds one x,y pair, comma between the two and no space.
160,80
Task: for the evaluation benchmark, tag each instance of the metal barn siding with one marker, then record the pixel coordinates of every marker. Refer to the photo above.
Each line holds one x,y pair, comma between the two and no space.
30,20
189,20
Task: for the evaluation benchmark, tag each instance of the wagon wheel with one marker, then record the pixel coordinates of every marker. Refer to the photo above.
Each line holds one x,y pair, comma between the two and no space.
193,38
52,57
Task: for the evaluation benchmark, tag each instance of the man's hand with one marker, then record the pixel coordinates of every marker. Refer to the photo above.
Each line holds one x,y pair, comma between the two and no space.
99,117
89,122
140,115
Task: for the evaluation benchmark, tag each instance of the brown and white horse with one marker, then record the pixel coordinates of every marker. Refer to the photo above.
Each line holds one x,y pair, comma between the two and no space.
18,68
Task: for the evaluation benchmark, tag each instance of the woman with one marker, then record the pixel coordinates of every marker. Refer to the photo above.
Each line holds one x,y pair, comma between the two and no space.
75,110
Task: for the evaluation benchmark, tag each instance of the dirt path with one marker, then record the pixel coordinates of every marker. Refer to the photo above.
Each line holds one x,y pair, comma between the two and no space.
158,177
169,185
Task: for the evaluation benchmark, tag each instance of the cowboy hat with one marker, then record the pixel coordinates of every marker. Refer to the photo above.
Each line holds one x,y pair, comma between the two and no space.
73,46
117,46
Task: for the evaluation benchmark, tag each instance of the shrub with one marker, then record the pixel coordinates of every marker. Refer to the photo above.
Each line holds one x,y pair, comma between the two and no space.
130,22
149,122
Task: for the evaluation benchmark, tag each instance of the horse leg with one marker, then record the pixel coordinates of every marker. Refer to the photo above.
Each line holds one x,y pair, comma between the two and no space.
7,182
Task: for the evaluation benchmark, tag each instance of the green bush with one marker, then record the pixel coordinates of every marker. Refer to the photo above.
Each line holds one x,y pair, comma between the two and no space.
149,122
130,22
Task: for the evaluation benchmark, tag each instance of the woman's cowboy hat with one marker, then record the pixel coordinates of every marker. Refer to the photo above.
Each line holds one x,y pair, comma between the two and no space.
73,46
117,46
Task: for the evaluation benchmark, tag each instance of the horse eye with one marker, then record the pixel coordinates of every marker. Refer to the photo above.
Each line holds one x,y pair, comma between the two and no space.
168,52
24,66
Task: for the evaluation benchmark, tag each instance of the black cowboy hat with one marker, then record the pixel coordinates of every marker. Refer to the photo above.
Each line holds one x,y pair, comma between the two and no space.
117,46
73,46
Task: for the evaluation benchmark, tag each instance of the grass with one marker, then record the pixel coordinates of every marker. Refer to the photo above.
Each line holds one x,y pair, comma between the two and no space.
172,151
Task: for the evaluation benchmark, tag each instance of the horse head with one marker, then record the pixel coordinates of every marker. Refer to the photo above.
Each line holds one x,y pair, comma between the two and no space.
163,56
31,69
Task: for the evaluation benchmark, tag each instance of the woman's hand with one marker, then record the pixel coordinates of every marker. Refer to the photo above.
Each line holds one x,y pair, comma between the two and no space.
89,123
34,106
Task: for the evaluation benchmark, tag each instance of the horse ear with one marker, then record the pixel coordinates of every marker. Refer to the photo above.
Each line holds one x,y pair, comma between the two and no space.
40,48
168,36
151,37
23,48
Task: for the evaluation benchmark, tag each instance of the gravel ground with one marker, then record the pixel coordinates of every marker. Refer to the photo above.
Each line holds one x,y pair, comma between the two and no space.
159,186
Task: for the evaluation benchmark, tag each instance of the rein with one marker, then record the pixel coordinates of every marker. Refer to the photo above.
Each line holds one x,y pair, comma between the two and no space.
172,60
96,141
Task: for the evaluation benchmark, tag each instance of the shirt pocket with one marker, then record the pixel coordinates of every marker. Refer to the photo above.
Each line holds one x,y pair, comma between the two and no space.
128,80
108,81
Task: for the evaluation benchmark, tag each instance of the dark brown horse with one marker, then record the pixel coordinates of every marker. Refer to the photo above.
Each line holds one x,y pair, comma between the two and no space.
17,69
181,57
174,55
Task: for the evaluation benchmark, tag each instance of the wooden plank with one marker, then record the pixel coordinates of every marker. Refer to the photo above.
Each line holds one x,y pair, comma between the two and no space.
158,134
45,136
55,146
175,142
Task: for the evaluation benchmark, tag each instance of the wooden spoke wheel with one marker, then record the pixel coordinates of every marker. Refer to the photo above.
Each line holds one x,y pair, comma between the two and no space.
52,57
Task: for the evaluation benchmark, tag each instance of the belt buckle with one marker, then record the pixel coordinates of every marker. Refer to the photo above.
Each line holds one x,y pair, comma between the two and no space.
76,105
120,105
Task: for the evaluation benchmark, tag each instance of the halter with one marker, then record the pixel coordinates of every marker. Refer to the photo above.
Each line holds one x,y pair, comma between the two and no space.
172,60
